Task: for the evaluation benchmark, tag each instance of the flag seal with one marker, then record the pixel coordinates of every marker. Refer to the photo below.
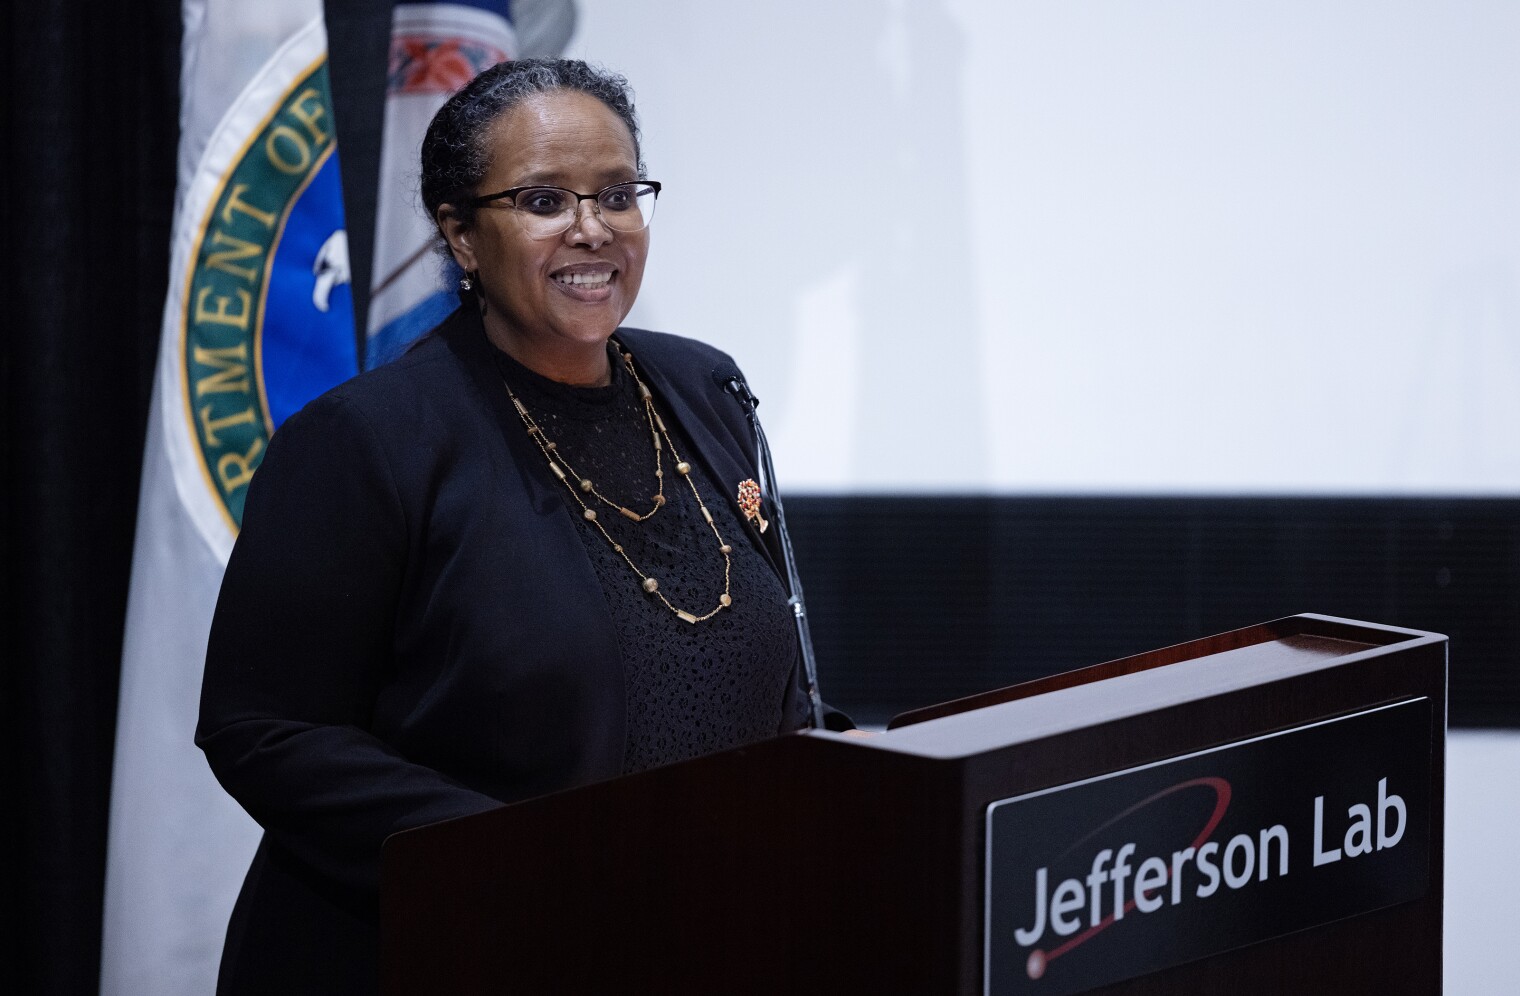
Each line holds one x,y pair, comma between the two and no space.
266,316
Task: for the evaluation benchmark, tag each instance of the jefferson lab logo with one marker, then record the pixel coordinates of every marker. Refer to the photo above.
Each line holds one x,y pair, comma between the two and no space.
1131,872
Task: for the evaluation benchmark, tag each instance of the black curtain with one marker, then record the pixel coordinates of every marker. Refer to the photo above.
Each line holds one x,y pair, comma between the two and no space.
91,124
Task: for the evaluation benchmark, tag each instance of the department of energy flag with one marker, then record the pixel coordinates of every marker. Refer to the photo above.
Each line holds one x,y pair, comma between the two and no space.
258,320
436,48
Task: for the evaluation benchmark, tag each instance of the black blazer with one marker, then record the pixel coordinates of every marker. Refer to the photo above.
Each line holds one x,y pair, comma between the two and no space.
410,630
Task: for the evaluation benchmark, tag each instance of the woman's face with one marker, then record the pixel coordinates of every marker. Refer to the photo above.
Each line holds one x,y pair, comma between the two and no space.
533,308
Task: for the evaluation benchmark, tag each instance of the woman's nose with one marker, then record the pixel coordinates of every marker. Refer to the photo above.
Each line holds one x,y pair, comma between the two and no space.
588,229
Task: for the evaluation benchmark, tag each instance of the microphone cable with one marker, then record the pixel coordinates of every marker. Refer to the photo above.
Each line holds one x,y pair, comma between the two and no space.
733,384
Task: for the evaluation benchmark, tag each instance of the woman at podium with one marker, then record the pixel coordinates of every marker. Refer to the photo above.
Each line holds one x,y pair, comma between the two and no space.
527,555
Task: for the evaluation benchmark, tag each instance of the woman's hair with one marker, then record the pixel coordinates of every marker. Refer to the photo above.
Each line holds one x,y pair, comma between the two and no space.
455,155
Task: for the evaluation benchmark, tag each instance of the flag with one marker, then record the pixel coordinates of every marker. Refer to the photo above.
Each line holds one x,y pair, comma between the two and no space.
436,48
258,320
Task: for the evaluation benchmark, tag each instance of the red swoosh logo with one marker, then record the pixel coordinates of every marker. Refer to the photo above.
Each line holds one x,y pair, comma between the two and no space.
1038,959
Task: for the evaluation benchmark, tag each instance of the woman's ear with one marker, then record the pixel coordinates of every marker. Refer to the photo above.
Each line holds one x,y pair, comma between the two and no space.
459,237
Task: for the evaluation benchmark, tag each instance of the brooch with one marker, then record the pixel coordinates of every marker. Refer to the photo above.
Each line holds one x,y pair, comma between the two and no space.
749,504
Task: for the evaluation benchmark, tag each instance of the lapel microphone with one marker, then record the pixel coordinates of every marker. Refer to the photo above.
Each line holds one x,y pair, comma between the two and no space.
731,383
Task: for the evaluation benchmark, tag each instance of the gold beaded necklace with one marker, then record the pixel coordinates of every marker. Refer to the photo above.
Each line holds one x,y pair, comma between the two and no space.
562,470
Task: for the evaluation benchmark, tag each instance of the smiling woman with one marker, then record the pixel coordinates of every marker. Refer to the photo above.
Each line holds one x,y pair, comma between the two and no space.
511,562
555,275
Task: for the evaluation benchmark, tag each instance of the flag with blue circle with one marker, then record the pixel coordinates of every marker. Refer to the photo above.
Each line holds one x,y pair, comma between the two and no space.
436,48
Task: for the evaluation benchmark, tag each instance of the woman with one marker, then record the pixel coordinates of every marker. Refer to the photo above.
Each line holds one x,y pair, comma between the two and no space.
509,563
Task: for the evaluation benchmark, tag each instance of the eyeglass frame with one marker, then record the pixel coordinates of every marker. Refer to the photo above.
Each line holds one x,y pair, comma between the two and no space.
512,192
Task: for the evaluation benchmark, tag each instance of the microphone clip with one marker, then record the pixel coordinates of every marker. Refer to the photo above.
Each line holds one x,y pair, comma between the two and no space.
732,383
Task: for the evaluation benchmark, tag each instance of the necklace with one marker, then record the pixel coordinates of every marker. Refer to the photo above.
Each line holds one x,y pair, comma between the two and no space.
656,429
580,485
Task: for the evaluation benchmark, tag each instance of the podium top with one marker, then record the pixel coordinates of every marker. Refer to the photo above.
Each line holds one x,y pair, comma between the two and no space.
1188,672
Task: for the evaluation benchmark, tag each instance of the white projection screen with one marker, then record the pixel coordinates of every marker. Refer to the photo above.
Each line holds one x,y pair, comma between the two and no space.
1084,247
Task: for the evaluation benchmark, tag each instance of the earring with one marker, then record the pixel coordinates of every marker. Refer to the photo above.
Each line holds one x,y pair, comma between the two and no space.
469,284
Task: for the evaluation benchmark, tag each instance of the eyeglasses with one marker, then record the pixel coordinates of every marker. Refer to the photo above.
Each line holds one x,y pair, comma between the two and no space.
550,211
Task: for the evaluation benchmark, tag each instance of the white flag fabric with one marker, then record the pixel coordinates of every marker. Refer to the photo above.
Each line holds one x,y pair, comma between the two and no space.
436,48
258,320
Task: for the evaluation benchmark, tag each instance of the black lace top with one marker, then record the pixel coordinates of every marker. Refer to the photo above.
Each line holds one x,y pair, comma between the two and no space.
691,688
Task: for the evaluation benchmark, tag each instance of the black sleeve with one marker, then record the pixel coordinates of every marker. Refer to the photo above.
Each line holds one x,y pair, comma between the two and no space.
798,711
301,643
835,720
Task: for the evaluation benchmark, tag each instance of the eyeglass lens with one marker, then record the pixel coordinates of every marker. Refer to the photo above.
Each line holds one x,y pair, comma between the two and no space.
626,207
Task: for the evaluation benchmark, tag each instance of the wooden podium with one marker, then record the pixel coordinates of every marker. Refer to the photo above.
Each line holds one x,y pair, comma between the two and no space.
825,863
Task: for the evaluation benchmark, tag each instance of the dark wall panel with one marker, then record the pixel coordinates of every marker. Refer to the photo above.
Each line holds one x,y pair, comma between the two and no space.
919,599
